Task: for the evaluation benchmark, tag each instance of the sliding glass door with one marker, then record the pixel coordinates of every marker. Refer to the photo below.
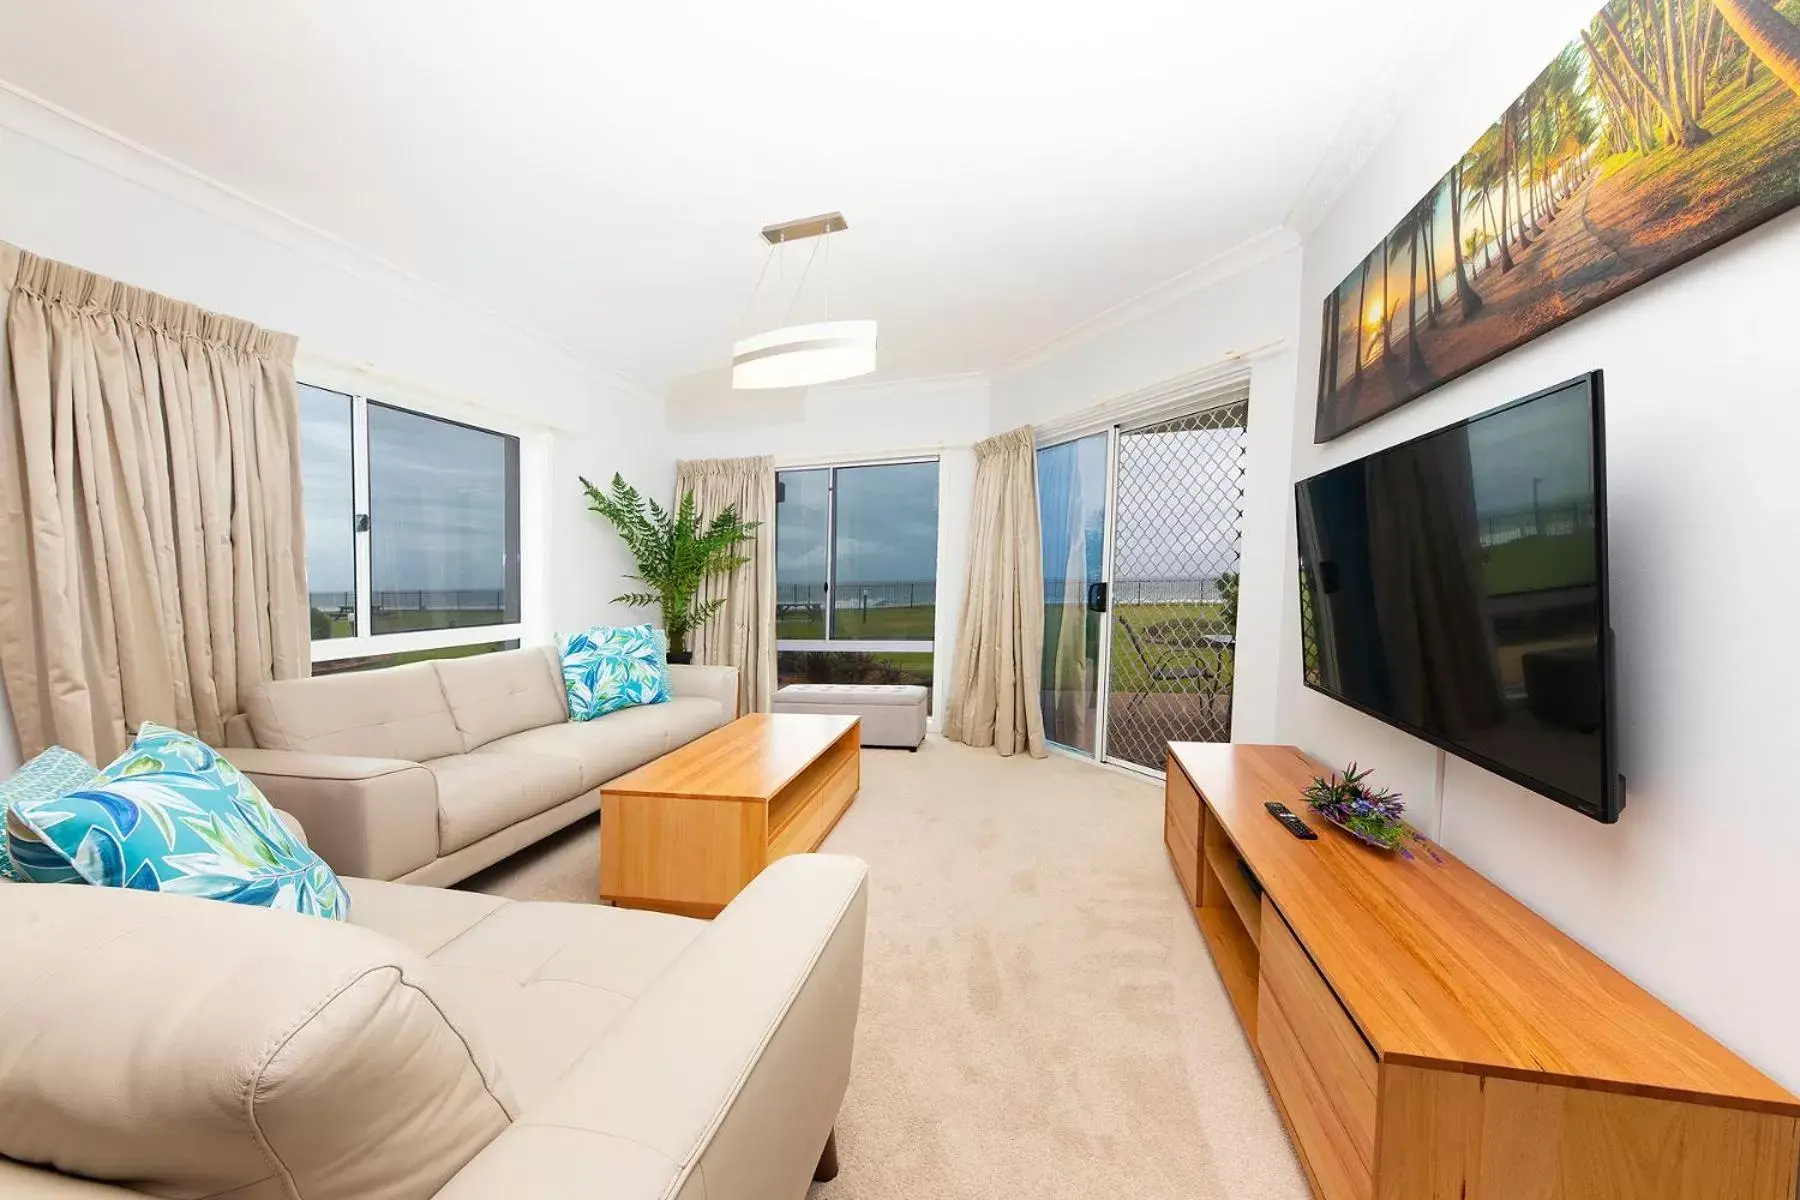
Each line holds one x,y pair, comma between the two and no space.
1072,486
1140,539
1178,507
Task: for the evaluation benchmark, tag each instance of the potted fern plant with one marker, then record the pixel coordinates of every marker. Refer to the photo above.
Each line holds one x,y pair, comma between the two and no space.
675,553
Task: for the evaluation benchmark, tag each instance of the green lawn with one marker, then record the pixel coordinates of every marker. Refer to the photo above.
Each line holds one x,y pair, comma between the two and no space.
1168,635
918,623
847,664
1534,564
412,622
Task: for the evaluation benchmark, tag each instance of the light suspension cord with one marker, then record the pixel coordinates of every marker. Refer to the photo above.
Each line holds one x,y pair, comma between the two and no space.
801,286
744,319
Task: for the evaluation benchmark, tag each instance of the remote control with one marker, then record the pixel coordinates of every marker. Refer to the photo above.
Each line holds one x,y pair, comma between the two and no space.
1290,822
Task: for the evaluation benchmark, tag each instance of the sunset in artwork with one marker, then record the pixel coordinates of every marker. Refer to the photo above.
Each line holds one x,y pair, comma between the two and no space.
1665,128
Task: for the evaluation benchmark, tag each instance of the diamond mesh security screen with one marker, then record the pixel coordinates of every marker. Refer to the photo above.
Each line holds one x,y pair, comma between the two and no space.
1178,517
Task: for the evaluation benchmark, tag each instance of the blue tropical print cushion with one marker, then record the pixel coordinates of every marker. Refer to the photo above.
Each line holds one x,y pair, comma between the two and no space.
170,815
608,668
55,772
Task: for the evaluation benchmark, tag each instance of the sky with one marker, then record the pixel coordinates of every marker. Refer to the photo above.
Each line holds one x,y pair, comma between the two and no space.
886,524
1177,511
1548,443
437,500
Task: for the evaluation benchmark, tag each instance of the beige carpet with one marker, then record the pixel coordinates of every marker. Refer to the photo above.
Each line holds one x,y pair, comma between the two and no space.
1039,1016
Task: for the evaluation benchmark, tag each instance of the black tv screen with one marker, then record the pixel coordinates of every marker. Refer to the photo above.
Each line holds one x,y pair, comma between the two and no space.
1455,586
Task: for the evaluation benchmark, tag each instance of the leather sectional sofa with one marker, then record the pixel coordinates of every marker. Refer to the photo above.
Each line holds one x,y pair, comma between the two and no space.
439,1044
429,772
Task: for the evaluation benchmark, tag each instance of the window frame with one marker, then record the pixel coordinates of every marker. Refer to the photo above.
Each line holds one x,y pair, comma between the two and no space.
869,645
364,642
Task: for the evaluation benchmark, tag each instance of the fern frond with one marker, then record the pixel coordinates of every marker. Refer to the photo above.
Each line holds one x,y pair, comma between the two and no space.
675,551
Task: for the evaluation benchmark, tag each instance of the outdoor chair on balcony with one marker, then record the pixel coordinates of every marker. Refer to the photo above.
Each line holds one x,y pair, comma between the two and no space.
1161,665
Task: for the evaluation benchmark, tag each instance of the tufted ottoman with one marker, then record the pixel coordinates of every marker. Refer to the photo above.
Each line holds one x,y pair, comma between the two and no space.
892,714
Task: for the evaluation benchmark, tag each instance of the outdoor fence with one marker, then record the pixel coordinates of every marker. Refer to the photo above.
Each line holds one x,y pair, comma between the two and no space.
1537,520
890,593
1139,591
415,600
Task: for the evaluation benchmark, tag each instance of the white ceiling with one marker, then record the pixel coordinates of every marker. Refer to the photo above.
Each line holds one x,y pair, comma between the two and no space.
599,171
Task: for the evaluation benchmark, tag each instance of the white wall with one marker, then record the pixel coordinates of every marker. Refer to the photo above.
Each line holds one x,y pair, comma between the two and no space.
1694,893
1252,310
72,193
858,422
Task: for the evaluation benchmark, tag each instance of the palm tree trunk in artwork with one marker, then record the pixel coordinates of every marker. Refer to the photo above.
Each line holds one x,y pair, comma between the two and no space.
1681,133
1466,294
1676,49
1387,312
1706,25
1506,232
1520,213
1500,234
1771,37
1428,235
1616,96
1362,300
1512,172
1333,339
1534,175
1412,295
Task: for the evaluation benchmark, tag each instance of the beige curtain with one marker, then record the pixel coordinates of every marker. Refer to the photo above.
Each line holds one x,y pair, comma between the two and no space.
152,553
743,633
1000,640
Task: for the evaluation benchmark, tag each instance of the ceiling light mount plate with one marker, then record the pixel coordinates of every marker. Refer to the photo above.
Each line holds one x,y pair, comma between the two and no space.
805,227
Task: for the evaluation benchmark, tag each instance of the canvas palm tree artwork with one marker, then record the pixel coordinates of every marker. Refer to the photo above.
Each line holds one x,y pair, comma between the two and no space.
1663,129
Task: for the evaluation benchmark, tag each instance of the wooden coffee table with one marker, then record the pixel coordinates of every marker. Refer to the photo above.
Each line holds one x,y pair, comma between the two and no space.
686,833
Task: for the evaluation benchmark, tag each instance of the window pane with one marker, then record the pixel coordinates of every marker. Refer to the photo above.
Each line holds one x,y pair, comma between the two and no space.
885,573
444,523
801,500
371,662
328,484
854,666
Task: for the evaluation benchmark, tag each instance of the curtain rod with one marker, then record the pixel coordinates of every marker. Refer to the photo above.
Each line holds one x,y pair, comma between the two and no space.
1222,376
852,458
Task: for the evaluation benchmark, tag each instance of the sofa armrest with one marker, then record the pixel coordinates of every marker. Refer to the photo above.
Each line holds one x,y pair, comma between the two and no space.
723,1081
371,818
714,683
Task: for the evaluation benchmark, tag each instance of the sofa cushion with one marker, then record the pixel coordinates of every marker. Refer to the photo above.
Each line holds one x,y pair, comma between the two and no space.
53,773
398,712
607,747
609,668
197,1049
690,717
482,793
492,695
170,815
541,981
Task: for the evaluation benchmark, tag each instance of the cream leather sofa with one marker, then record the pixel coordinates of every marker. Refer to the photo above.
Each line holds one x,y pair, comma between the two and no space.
441,1044
427,773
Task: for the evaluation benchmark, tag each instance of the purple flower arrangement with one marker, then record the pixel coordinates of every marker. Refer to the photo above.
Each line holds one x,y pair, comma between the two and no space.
1372,815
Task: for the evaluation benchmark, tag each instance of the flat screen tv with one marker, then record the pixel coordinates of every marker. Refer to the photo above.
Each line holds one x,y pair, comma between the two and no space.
1455,586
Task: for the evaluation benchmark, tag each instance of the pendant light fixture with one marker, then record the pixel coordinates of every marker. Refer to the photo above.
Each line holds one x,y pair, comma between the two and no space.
801,355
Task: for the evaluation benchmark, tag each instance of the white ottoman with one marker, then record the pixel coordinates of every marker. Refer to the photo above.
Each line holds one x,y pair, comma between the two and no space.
893,714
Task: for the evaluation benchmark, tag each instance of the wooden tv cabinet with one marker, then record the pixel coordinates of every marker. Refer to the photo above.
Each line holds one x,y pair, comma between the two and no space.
1428,1037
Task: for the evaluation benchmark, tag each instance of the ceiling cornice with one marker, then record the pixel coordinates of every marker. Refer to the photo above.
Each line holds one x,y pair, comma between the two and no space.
1261,247
49,124
877,382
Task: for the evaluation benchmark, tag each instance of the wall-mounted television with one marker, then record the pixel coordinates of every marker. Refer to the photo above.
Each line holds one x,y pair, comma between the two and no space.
1455,586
